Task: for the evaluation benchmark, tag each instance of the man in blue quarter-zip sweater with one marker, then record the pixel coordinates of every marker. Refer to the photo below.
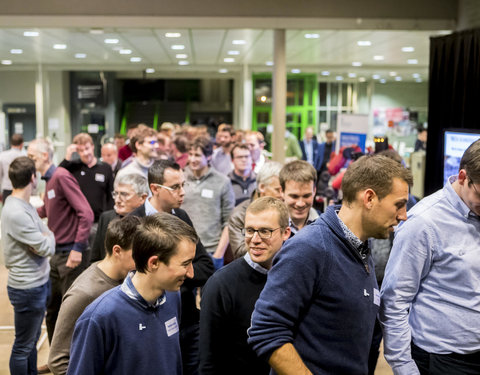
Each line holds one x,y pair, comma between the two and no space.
317,311
135,328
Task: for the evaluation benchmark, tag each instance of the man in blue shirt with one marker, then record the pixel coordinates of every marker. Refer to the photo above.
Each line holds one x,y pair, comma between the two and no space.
135,328
430,308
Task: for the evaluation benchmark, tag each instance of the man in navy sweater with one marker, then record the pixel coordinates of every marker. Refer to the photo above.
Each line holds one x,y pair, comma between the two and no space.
135,328
230,294
317,311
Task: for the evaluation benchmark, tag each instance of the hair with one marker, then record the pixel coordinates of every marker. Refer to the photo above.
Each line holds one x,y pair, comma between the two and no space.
16,139
298,171
136,180
270,203
157,171
159,235
204,143
20,172
258,135
236,146
43,145
471,162
328,131
119,136
226,128
108,145
181,143
392,154
269,170
375,172
82,138
120,232
139,134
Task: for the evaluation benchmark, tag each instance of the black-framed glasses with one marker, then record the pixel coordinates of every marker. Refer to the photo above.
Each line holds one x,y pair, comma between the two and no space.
175,188
263,233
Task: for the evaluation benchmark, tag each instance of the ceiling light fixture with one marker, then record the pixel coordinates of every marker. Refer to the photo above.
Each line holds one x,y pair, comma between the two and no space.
125,52
412,61
173,35
325,73
398,78
339,78
96,31
178,47
416,75
356,63
149,70
376,76
312,36
383,80
183,62
352,75
239,41
31,33
135,59
418,80
6,62
111,41
229,60
269,63
378,58
392,74
223,71
362,79
80,55
16,51
59,46
408,49
296,71
364,43
233,53
181,56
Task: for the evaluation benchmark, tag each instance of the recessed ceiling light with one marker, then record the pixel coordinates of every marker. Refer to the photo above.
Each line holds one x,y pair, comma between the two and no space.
31,33
362,79
173,35
383,80
312,36
228,59
135,59
325,73
352,75
125,51
6,62
183,62
356,63
80,55
178,46
418,80
181,56
59,46
223,71
408,49
239,42
412,61
398,78
416,75
16,51
376,76
269,63
233,53
364,43
296,71
149,70
96,31
111,41
339,78
392,74
378,57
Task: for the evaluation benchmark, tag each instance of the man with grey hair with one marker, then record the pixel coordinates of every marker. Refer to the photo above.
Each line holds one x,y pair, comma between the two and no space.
268,185
129,192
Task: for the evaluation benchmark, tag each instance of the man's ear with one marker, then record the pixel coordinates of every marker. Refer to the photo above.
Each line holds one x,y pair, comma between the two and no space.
116,250
462,176
153,263
369,197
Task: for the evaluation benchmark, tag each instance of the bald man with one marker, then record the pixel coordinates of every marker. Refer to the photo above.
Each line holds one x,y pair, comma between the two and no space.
110,156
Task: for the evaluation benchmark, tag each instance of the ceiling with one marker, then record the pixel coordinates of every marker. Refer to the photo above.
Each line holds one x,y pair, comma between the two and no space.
206,50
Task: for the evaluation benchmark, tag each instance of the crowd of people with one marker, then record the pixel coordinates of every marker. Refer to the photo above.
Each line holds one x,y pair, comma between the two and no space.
182,253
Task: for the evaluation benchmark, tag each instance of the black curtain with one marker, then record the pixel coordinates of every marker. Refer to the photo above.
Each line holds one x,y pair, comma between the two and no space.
454,95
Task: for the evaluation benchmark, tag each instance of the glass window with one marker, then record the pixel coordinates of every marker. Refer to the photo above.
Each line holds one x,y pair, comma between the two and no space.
333,120
291,91
263,92
322,93
322,116
263,117
333,94
300,92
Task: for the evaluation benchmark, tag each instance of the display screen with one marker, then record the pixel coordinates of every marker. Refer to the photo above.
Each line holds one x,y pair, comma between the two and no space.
455,144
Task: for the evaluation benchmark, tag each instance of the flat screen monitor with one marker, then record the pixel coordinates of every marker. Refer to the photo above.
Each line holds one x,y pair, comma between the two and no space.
456,141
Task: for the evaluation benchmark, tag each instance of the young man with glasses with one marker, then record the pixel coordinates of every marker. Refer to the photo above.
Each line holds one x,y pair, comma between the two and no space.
242,177
166,182
430,302
229,296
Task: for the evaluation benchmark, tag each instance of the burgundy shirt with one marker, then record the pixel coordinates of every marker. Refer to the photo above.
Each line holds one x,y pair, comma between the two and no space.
69,214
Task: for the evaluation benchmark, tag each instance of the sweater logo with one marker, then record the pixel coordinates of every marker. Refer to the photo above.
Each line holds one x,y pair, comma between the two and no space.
141,327
365,293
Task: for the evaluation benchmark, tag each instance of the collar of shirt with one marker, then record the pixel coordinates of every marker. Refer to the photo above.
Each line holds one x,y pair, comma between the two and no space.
456,201
257,267
312,216
150,210
49,173
362,247
129,289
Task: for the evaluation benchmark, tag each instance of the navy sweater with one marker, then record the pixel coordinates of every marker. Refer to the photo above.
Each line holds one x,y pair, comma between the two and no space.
118,335
320,297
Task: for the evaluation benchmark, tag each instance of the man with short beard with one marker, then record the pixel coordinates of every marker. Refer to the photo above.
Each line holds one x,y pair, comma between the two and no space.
221,159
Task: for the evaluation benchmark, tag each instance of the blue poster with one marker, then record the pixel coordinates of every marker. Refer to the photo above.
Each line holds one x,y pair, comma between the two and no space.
351,139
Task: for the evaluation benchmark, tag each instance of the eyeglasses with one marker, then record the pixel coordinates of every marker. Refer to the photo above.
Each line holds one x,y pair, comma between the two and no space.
263,233
174,188
122,195
242,156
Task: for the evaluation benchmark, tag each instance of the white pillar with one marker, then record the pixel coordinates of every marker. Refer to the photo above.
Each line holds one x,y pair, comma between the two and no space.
41,102
279,96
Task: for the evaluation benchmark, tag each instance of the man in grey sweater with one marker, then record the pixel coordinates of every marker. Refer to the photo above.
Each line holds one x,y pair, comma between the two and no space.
27,242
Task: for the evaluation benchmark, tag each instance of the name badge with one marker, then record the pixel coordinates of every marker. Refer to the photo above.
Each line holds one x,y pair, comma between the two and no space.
172,326
207,193
51,194
376,296
99,177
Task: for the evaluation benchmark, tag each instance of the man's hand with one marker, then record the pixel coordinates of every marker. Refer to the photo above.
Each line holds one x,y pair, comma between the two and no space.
70,150
74,259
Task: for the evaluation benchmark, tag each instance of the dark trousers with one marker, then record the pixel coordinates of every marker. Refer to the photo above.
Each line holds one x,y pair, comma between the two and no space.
189,337
446,364
61,278
29,310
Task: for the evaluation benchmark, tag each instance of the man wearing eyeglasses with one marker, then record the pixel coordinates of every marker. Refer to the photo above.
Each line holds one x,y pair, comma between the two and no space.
430,308
229,296
244,180
166,182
